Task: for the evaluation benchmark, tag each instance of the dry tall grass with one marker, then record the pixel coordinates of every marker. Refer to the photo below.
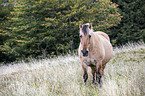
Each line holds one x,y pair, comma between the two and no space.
124,76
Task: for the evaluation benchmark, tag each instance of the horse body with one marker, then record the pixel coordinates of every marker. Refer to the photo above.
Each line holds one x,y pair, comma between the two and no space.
100,51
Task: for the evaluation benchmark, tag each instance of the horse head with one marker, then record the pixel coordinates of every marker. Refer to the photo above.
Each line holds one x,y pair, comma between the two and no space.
85,37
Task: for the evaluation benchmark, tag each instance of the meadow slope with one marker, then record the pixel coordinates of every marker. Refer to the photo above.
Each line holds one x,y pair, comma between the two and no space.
124,76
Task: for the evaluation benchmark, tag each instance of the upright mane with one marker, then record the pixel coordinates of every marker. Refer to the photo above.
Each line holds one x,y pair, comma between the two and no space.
85,28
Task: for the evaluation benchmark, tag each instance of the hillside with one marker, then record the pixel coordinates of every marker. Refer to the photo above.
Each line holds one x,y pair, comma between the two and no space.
124,76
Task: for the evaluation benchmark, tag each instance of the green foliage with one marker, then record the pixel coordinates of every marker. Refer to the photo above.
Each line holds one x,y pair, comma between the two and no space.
46,27
5,9
132,26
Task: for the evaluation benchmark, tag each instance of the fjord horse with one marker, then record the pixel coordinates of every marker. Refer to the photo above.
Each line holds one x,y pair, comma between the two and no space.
95,50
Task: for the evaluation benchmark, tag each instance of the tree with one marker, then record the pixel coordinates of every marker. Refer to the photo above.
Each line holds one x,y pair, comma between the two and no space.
5,8
132,26
42,27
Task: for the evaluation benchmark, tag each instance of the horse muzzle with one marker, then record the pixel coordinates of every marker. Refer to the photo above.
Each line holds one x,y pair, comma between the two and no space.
85,53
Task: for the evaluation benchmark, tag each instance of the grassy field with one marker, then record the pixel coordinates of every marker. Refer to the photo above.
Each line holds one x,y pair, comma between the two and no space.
62,76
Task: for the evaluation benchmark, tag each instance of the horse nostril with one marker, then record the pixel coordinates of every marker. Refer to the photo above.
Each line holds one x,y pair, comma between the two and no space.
85,53
82,51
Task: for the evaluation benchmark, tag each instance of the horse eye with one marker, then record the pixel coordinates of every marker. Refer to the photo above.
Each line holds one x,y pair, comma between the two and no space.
80,36
89,36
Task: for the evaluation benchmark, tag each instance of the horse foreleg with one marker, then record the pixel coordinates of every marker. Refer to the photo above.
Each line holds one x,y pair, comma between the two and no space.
85,74
99,73
93,73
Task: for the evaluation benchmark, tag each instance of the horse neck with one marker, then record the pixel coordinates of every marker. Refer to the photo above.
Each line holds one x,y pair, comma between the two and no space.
94,41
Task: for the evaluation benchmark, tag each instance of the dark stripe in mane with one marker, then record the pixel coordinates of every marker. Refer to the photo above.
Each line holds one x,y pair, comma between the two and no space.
84,29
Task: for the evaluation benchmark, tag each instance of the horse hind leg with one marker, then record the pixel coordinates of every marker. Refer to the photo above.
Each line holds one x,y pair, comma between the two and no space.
103,67
99,73
99,79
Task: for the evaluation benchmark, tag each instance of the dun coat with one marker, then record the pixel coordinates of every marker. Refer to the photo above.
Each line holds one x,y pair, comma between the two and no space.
95,50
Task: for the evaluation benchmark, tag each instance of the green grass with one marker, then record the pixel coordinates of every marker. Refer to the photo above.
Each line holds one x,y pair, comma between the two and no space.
124,76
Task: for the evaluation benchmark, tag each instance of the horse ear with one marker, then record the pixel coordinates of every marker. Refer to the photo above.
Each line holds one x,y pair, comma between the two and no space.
90,26
80,26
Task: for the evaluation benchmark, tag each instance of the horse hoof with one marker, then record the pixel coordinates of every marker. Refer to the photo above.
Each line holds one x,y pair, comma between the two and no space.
94,83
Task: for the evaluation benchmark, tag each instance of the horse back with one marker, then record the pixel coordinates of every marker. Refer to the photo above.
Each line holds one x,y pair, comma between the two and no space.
103,34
